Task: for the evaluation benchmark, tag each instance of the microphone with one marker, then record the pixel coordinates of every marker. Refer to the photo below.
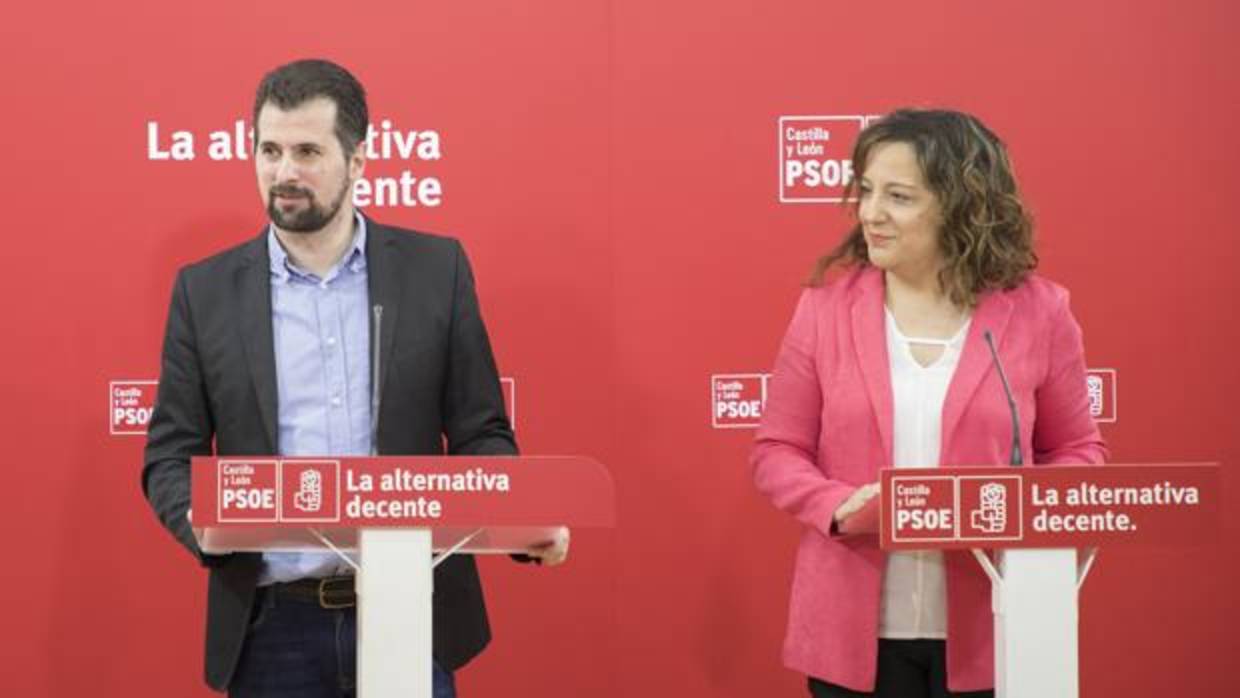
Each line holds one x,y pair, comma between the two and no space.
1016,458
375,344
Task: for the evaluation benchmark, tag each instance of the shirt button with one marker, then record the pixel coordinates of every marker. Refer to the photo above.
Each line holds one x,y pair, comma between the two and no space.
335,401
331,341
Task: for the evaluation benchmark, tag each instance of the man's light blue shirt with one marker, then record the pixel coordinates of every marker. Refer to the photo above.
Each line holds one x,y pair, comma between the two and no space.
321,333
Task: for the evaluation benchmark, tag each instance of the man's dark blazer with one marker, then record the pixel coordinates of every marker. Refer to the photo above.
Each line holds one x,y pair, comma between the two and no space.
218,382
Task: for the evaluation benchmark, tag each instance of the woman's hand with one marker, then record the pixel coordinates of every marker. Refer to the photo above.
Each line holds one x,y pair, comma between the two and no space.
850,517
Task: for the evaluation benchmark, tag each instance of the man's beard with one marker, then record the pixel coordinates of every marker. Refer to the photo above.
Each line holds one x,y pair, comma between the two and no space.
310,219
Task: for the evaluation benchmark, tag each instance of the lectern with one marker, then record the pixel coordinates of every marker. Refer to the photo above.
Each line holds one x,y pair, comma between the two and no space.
393,519
1026,526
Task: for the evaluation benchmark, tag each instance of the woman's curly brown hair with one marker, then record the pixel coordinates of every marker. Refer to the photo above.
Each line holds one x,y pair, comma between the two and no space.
987,234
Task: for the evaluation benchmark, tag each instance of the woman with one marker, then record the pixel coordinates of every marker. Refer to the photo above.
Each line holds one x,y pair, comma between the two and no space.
886,365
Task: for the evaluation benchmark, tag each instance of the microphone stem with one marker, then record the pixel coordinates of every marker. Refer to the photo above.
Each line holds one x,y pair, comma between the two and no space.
375,375
1017,458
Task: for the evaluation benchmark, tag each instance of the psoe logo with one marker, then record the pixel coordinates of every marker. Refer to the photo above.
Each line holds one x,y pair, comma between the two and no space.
815,156
309,490
922,508
990,508
1101,386
247,490
737,399
130,403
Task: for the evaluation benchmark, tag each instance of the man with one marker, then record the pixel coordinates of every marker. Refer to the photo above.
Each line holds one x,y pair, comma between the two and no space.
267,351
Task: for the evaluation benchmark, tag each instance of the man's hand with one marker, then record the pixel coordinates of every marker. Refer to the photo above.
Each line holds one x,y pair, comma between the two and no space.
552,552
189,516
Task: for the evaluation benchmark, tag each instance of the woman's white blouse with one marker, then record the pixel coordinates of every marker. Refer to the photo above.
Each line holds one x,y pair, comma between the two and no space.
914,600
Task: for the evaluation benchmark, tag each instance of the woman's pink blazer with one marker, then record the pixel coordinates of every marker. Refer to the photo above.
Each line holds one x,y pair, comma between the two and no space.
826,430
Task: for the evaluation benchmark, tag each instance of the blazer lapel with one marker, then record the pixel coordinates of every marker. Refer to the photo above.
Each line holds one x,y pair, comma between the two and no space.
253,280
870,342
993,312
385,285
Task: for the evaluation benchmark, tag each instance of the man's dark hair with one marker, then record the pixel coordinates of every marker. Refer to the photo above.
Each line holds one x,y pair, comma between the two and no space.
291,85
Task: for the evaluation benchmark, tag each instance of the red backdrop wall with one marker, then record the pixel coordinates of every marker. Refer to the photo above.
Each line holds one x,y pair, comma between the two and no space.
614,171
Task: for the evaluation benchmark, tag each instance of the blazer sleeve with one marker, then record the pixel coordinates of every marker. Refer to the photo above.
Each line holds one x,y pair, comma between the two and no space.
475,422
784,456
180,426
1064,431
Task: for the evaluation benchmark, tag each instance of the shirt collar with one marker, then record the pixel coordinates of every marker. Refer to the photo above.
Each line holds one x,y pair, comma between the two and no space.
282,267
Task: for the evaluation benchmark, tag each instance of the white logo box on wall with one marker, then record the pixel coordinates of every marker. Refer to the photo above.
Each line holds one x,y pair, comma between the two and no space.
738,399
815,156
1102,384
130,403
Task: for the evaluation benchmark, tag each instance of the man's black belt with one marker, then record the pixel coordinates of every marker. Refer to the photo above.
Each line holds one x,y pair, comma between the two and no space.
329,592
